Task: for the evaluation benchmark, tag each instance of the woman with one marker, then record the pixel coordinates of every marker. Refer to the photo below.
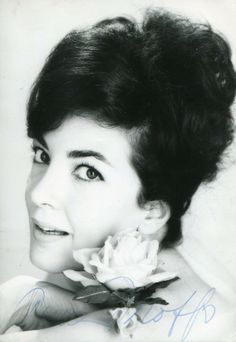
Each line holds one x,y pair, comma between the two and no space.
127,121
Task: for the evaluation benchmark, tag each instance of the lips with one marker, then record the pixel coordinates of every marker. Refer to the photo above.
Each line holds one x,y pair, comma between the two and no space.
50,231
47,228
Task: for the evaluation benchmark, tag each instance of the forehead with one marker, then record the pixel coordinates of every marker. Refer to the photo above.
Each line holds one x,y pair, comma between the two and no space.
85,133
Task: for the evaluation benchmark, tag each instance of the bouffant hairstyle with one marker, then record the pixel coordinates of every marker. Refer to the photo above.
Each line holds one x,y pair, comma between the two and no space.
167,78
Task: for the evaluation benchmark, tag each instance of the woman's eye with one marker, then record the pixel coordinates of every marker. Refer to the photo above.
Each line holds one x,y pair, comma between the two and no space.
40,156
87,173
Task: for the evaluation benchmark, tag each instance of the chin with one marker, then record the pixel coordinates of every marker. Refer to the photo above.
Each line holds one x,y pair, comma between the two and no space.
51,258
46,265
49,262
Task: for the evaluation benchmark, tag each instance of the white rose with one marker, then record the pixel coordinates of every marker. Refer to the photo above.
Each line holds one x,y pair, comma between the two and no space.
127,260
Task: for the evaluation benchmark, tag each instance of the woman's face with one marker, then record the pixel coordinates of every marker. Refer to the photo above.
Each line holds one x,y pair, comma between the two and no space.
82,187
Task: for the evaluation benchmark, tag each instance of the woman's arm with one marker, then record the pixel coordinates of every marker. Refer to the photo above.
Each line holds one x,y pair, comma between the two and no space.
100,327
97,326
33,304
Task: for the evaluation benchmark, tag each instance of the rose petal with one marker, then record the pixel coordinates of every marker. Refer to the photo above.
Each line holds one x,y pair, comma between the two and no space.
107,251
83,277
126,276
117,259
97,263
152,252
83,256
153,247
117,282
140,251
156,278
125,245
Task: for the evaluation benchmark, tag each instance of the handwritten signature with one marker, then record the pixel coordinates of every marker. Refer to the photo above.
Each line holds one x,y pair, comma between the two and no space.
204,306
176,314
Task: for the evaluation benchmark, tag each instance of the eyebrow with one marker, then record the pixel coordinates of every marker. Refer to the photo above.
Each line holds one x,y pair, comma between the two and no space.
78,153
87,153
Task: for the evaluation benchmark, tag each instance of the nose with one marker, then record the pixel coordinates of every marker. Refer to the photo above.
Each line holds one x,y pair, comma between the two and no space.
49,188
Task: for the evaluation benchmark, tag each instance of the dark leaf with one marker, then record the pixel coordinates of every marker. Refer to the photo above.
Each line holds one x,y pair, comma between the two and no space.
151,288
113,301
93,294
129,297
150,301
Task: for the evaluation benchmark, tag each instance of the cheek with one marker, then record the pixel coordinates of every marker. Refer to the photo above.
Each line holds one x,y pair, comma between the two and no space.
54,259
94,201
28,191
96,212
90,206
33,179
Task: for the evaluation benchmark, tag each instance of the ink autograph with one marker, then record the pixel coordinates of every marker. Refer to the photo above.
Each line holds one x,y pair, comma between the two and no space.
203,306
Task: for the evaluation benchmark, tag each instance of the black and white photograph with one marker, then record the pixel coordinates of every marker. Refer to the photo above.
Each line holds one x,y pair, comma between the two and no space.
118,171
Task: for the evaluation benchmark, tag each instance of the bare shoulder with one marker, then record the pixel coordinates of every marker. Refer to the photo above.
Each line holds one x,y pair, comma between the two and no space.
195,309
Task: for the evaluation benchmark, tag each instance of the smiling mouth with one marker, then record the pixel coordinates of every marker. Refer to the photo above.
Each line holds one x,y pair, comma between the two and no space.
48,231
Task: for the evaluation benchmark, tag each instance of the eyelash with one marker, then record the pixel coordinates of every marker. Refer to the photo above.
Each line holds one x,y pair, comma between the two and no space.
35,149
89,167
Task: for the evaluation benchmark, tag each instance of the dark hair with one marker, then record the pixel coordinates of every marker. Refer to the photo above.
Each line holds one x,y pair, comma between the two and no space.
170,79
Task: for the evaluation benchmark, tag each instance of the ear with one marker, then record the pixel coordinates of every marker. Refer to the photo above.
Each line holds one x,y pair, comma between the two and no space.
157,214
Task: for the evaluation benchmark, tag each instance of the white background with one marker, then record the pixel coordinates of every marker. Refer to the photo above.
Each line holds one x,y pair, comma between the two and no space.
28,30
